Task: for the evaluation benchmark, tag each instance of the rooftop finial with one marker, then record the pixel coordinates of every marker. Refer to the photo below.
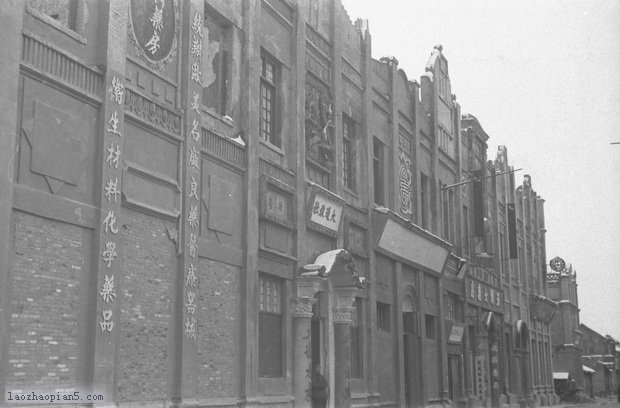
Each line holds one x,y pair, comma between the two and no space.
439,47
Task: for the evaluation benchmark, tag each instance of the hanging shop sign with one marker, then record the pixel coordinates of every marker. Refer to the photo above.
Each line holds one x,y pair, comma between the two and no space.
484,295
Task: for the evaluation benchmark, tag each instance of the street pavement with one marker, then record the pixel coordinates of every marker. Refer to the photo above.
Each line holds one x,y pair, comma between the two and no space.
611,402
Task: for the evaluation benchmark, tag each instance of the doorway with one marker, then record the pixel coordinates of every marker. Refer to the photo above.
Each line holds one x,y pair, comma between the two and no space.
454,378
316,343
412,353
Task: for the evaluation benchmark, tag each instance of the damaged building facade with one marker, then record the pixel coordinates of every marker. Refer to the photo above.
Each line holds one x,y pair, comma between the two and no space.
204,200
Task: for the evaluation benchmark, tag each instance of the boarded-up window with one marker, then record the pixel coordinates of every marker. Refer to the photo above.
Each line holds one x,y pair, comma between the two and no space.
216,63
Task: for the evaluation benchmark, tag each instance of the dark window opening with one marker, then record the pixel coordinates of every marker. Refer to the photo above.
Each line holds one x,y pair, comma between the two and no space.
430,327
378,164
270,327
348,153
384,317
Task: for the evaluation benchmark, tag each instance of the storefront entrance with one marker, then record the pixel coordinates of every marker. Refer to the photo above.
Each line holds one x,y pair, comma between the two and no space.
412,353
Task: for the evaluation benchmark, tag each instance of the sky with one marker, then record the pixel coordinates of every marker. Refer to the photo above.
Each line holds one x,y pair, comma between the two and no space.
543,79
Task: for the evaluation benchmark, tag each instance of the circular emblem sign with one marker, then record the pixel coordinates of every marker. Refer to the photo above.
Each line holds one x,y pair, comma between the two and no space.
154,28
557,264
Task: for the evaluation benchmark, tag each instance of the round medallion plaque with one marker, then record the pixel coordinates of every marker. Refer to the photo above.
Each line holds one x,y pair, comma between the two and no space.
557,264
154,26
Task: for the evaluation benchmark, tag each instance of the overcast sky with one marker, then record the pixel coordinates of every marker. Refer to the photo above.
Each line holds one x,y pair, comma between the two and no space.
543,78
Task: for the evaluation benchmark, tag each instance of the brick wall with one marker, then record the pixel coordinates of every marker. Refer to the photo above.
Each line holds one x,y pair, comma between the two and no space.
46,276
145,290
218,329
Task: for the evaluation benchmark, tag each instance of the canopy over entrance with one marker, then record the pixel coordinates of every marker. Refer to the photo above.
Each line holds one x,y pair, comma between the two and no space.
337,264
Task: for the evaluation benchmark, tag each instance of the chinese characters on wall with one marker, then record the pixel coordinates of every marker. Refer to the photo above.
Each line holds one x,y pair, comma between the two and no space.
193,179
325,212
111,203
483,295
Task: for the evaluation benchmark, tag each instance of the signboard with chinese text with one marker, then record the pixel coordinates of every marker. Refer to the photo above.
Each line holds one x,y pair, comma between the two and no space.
324,211
456,334
484,295
155,25
277,201
481,380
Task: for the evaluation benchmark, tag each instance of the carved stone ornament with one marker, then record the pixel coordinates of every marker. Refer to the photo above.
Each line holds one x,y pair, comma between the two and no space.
344,315
319,123
359,281
153,28
302,306
152,112
405,187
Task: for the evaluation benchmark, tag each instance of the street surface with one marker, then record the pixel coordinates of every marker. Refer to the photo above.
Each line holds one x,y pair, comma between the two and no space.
600,403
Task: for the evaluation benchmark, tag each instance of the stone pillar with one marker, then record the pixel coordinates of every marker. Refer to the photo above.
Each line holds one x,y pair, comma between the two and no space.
301,311
343,316
108,264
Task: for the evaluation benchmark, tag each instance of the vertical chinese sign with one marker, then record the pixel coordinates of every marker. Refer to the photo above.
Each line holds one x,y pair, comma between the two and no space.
110,203
192,193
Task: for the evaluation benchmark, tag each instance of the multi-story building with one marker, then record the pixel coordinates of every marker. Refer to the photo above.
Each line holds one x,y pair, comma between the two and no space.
568,370
599,355
520,239
205,199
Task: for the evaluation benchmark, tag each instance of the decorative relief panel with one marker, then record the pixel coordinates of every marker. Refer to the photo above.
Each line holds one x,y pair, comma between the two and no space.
277,202
274,171
319,123
154,26
355,239
405,180
318,67
58,65
152,112
302,306
317,40
57,147
223,148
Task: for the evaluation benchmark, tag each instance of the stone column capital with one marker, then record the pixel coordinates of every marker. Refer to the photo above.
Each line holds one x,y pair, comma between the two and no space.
344,315
344,311
345,297
302,306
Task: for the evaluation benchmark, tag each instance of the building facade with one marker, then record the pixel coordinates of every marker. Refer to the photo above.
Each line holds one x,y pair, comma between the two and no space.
204,200
520,239
566,337
599,356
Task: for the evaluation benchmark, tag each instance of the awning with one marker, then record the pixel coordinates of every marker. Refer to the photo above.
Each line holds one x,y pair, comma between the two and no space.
587,369
330,261
561,375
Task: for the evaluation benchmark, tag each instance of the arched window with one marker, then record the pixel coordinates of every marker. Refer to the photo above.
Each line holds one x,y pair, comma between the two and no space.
410,314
